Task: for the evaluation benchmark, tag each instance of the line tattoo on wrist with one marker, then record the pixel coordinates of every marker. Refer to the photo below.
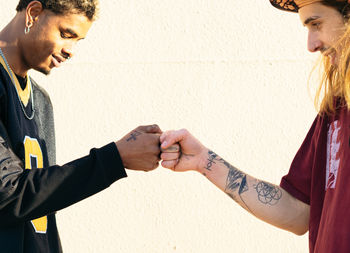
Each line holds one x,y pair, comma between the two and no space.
235,181
235,178
267,193
211,159
133,136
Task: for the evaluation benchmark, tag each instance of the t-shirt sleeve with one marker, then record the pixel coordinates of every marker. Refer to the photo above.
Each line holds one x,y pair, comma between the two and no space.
298,180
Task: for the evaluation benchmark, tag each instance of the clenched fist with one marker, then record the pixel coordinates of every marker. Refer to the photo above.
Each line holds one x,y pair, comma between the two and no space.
140,149
191,156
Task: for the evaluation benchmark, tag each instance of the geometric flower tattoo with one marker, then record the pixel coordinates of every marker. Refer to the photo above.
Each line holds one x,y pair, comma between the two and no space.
268,193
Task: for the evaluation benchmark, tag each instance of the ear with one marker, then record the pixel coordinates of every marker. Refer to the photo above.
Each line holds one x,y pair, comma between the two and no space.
33,10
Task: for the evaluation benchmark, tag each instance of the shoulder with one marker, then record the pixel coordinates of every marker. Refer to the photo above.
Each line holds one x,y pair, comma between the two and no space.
38,89
40,94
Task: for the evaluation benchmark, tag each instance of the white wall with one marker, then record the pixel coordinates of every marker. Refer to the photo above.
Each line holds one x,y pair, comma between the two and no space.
233,72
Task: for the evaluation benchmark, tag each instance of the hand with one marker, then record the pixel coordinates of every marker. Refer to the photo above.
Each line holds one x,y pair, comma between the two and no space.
193,153
171,154
140,149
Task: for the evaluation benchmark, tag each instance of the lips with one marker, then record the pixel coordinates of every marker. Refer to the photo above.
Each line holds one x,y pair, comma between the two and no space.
57,60
331,54
332,57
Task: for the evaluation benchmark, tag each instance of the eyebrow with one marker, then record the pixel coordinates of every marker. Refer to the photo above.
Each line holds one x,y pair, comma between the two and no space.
308,20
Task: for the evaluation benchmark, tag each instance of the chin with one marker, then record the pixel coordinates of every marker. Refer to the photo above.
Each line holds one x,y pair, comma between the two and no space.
44,71
334,61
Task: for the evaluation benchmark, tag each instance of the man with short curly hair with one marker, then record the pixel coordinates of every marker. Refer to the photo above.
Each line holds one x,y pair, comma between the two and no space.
87,7
41,36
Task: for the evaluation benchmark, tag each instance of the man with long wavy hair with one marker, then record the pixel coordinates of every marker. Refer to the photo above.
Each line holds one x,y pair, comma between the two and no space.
313,196
32,188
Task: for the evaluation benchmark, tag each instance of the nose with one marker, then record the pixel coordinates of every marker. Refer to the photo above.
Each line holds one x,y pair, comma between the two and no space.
67,53
314,44
67,49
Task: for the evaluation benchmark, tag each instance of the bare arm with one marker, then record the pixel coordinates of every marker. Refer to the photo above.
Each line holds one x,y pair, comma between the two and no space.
266,201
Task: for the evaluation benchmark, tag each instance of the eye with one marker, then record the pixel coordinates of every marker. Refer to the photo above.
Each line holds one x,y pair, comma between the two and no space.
316,25
65,35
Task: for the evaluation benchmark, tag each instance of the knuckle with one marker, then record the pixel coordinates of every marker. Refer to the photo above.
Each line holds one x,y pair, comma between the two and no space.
141,127
184,131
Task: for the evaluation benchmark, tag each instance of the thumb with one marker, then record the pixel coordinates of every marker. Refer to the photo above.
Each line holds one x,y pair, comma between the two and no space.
171,137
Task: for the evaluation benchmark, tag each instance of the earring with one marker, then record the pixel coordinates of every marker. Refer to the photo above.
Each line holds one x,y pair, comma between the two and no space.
27,28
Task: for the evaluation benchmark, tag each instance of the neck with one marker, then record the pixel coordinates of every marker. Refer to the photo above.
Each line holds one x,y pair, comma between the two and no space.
10,46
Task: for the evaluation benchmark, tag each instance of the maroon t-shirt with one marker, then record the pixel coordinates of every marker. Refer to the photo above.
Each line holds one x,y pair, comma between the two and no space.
320,176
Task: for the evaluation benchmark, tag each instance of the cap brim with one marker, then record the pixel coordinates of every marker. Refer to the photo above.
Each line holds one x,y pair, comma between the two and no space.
289,6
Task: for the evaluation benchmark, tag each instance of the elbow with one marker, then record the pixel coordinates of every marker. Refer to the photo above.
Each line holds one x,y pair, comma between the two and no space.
298,226
300,221
300,230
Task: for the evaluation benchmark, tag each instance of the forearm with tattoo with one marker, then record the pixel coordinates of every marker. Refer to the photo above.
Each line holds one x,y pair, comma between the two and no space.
237,184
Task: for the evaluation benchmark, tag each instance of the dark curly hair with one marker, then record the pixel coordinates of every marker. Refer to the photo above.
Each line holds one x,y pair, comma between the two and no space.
61,7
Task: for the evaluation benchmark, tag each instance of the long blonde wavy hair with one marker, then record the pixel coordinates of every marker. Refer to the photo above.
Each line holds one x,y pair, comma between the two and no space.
334,88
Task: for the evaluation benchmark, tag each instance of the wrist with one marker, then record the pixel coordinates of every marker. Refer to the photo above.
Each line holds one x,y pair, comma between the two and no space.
203,161
122,154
